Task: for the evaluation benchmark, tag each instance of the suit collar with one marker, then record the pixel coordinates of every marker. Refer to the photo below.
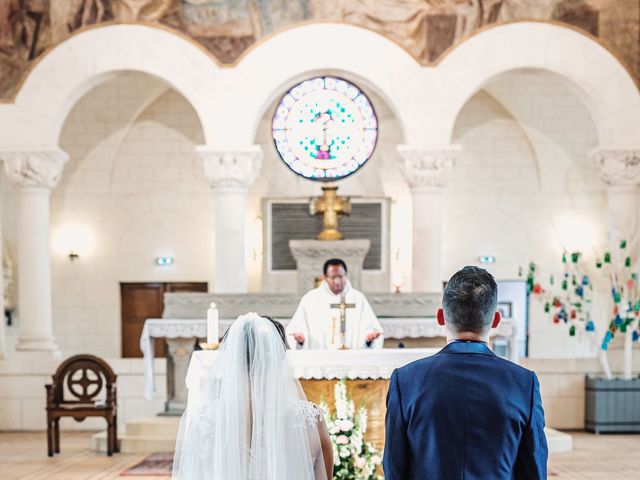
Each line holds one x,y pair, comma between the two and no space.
462,346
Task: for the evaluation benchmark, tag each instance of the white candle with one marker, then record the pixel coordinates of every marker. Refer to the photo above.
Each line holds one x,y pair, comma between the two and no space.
212,324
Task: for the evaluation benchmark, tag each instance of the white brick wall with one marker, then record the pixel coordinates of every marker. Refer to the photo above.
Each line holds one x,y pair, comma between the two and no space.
523,165
134,181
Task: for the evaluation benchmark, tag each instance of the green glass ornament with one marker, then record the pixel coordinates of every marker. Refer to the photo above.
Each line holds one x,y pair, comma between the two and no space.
627,262
575,256
564,258
572,331
607,257
564,284
623,244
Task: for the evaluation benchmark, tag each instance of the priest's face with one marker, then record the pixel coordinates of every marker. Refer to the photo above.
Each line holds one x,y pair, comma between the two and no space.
336,278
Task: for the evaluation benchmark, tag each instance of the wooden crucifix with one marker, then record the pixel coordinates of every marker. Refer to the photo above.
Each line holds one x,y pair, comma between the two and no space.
342,306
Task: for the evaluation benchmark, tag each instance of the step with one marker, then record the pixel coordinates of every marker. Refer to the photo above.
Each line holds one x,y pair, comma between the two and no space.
153,427
558,442
135,444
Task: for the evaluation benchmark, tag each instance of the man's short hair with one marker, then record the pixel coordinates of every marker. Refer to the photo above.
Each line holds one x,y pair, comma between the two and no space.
334,261
470,300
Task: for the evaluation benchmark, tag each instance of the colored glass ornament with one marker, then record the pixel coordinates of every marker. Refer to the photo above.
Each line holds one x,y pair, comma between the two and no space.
585,280
590,326
607,257
627,262
635,336
623,244
575,256
572,331
546,307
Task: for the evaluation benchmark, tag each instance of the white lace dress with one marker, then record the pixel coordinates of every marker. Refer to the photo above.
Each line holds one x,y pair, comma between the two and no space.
313,415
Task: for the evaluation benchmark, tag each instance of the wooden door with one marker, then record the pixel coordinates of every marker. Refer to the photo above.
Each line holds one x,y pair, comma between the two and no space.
140,301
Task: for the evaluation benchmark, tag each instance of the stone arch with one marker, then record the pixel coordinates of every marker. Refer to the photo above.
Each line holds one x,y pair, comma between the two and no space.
597,76
72,68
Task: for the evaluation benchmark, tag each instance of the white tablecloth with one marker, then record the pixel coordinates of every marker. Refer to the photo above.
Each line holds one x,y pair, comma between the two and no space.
320,364
393,328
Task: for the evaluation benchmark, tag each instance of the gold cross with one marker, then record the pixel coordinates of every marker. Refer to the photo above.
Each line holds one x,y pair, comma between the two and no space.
330,206
342,306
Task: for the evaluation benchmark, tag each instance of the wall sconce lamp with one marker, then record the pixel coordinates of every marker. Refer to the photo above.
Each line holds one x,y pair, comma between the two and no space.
73,256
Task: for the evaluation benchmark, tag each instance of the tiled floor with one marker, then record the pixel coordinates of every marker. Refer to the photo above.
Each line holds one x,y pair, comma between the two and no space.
23,456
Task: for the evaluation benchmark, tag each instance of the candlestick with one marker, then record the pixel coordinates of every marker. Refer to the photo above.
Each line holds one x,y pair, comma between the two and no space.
212,324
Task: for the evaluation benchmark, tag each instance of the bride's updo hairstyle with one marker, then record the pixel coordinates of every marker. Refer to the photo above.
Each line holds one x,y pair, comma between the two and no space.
259,332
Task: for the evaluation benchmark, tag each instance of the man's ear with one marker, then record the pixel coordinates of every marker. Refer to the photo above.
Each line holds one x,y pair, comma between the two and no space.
440,316
496,319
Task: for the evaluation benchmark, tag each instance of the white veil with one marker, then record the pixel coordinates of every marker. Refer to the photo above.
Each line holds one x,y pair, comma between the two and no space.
250,422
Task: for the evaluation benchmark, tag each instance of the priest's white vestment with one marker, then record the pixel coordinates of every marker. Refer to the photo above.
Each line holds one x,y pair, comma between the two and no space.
320,323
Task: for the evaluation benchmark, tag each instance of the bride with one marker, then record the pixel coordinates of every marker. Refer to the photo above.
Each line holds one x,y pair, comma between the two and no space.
253,421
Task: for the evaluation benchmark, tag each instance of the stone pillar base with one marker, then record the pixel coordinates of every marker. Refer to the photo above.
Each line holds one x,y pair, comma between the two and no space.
178,357
310,256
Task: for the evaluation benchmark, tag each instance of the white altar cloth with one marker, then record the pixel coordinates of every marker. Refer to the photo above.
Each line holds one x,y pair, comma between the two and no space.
320,364
414,327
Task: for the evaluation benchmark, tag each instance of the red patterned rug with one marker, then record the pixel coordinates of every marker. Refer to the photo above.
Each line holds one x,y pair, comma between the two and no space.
157,464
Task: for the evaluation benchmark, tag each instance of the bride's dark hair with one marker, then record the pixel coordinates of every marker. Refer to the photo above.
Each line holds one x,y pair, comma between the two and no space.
279,328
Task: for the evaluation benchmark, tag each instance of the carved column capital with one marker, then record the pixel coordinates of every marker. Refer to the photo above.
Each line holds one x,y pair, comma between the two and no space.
34,168
425,167
619,167
230,168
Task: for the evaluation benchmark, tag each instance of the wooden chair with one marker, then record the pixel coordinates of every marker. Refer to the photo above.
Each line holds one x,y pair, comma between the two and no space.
77,384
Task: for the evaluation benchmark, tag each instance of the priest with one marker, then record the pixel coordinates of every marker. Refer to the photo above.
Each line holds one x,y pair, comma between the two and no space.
335,315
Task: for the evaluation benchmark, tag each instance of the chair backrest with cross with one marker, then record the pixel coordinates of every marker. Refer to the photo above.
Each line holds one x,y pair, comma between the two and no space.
83,386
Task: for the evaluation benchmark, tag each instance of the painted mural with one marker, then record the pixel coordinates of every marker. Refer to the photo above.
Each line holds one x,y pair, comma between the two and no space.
425,28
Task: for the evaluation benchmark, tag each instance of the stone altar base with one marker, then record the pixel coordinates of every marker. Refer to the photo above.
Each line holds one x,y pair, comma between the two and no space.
373,393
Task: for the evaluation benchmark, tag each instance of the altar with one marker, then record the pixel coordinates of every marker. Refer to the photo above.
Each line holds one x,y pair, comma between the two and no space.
367,374
406,318
181,335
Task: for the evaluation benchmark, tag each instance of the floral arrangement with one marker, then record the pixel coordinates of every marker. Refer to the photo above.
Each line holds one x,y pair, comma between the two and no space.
353,458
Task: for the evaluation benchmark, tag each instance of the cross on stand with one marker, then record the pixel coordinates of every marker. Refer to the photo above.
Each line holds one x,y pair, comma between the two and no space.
342,306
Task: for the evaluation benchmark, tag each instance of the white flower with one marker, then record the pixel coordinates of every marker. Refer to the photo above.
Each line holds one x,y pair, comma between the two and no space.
345,425
344,452
359,462
376,460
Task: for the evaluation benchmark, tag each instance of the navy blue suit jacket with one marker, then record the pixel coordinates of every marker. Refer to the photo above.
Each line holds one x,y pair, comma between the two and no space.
464,413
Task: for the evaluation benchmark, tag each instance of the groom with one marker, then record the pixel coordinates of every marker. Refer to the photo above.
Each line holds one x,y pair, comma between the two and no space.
464,412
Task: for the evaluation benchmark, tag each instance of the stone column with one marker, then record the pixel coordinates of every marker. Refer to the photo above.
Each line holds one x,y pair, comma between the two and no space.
620,171
427,170
230,174
36,173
